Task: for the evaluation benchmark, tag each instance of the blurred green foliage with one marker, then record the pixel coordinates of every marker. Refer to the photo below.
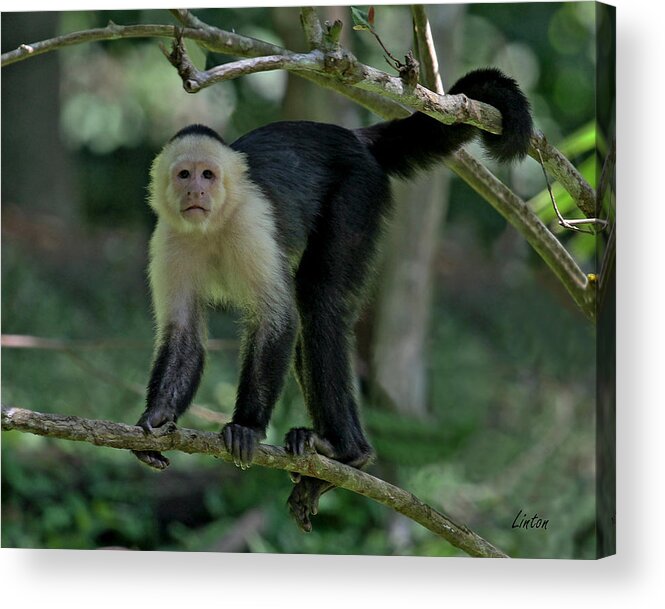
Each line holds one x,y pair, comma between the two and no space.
512,364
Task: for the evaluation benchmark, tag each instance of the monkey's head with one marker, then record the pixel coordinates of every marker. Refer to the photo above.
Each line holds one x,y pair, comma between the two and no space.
192,178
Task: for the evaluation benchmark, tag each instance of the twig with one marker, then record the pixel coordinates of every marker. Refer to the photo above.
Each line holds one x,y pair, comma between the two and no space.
564,171
128,437
573,224
111,32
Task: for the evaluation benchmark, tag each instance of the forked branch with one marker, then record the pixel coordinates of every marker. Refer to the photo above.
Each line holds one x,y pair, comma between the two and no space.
129,437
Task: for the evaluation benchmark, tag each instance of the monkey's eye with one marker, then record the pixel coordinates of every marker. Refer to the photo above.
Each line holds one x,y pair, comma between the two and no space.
207,174
184,174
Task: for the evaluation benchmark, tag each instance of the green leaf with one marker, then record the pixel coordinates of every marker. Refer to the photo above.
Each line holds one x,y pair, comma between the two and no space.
360,19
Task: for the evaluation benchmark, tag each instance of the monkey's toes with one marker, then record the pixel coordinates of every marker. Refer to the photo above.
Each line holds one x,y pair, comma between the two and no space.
152,458
303,501
299,441
302,441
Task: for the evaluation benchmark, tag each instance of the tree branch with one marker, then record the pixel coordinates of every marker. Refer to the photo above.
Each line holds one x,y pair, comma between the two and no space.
111,32
387,96
312,27
371,80
507,203
447,109
129,437
429,62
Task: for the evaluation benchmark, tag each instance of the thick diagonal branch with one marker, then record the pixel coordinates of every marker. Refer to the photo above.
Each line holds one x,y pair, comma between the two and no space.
507,203
129,437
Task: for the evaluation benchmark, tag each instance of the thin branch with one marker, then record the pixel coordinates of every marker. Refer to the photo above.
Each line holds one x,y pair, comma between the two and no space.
428,59
312,27
562,169
26,341
111,32
128,437
570,224
194,80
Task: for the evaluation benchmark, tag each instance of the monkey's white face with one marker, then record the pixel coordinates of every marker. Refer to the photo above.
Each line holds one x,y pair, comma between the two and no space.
196,186
192,183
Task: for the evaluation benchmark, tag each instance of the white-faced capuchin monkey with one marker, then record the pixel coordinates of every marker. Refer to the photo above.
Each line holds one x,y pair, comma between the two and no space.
284,224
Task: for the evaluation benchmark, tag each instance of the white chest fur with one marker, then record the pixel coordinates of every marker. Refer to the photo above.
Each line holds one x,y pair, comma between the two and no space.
239,263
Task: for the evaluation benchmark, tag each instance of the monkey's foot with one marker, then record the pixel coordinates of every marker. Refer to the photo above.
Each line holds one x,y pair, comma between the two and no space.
303,501
152,458
155,417
302,441
149,420
241,442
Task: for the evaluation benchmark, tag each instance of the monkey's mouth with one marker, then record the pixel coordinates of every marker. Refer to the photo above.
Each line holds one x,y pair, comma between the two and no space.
195,210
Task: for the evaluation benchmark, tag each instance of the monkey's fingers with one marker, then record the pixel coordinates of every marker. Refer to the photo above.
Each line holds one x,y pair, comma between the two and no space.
241,442
152,458
301,441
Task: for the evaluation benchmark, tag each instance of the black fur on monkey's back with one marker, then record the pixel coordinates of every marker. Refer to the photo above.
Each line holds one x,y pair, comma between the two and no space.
300,163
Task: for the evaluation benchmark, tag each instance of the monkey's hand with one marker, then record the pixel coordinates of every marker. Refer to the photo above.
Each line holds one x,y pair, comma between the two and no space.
241,442
151,418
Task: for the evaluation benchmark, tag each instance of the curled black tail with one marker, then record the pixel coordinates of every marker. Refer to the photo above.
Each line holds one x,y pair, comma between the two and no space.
405,145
